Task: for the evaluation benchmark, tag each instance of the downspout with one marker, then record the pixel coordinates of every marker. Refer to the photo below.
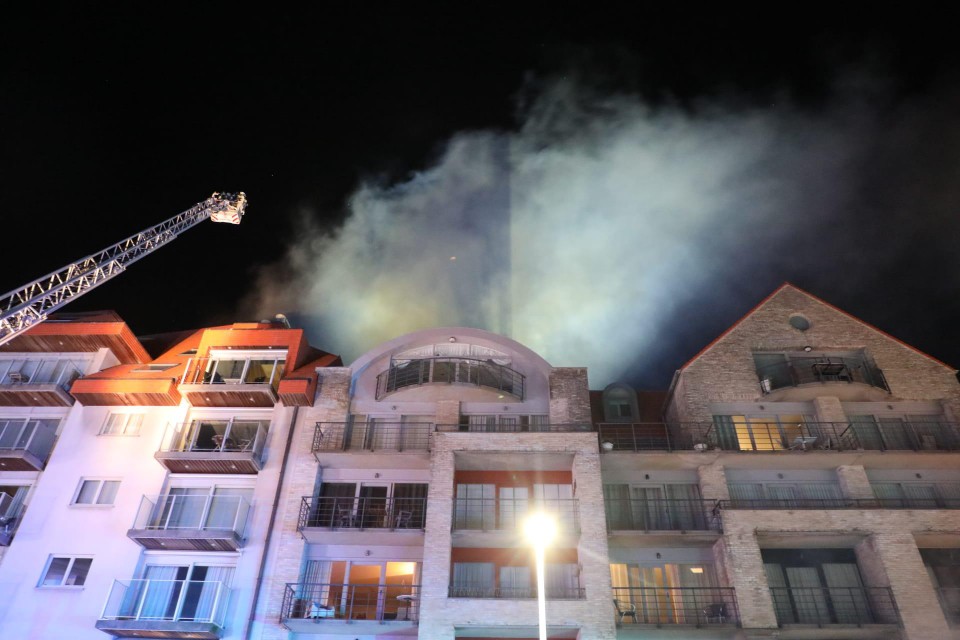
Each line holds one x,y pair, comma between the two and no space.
273,518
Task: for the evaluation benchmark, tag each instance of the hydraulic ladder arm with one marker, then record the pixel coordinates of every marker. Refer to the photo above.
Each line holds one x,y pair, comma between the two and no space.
32,303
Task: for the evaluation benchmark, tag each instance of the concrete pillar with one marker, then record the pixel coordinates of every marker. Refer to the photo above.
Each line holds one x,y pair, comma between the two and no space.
854,482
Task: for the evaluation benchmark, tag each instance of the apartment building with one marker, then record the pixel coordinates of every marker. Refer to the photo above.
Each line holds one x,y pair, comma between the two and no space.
798,480
138,476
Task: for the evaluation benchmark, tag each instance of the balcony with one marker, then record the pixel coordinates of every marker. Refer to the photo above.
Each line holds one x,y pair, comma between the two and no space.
10,513
367,608
691,606
321,518
484,590
237,382
517,427
190,522
818,504
475,372
662,515
25,444
508,514
950,602
819,606
214,446
37,383
736,433
165,609
372,436
776,371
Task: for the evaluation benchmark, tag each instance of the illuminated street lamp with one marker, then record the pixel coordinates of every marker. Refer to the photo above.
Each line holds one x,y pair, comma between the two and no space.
540,530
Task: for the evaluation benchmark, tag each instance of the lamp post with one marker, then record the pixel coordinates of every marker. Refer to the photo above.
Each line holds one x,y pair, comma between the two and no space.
540,530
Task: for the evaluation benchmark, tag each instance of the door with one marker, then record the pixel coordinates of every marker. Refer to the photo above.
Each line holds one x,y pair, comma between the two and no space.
475,507
372,506
513,506
335,505
557,499
228,508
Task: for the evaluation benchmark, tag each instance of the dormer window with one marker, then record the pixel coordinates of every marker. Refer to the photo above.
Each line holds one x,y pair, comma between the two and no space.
620,404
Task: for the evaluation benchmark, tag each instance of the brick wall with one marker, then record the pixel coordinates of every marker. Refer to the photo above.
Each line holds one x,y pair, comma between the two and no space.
569,396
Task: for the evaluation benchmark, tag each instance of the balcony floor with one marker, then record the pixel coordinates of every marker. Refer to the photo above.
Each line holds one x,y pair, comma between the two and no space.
187,539
19,460
226,462
353,628
160,629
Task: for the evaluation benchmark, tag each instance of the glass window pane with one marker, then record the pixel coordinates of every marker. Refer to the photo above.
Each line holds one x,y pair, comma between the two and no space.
88,491
79,570
55,572
108,492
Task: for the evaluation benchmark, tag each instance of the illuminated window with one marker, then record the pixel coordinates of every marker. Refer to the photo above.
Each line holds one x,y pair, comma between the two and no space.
96,492
122,424
65,571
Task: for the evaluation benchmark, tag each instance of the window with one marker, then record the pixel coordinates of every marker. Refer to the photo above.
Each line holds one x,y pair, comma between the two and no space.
122,424
154,367
96,492
620,403
65,571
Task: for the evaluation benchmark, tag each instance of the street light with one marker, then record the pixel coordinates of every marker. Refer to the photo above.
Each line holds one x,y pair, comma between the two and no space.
540,530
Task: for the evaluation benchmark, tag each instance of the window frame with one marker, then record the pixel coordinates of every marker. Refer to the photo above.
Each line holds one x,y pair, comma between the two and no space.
99,491
71,563
129,417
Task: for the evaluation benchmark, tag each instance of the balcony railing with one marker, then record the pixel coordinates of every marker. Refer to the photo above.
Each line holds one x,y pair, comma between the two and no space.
10,512
508,514
662,515
60,373
216,436
835,605
174,608
372,436
840,503
363,513
484,590
680,605
331,602
185,518
465,371
518,427
254,370
27,441
772,435
798,370
950,601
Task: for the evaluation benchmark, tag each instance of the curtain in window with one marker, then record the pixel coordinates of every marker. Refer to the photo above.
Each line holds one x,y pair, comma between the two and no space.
16,503
744,494
649,509
616,499
922,496
561,580
726,433
515,583
932,432
158,592
781,598
895,435
212,593
846,593
867,432
808,596
412,499
826,494
181,508
685,508
228,508
473,579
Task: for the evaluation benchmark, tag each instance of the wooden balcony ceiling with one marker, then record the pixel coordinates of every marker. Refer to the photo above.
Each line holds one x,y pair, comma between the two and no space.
36,395
81,333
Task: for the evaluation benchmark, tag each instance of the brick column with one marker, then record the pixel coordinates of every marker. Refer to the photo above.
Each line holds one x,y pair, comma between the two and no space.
713,481
854,482
913,591
437,541
743,566
448,412
569,396
829,409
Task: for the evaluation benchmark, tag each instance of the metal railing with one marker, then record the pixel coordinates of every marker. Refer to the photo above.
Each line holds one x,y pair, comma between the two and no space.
676,605
215,436
508,514
322,602
167,600
10,512
363,513
835,605
372,436
450,370
517,427
664,514
950,602
772,435
484,590
252,370
61,373
798,370
181,512
32,436
840,503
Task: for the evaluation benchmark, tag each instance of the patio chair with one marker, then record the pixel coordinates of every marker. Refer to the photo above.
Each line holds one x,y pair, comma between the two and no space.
716,612
403,519
628,610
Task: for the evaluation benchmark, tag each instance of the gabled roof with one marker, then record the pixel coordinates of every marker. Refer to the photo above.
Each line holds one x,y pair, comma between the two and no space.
788,286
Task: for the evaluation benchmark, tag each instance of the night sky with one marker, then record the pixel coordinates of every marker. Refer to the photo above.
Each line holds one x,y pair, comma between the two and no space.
114,119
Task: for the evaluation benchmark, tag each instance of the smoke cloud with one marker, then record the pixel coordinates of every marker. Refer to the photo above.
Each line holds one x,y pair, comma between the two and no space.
603,230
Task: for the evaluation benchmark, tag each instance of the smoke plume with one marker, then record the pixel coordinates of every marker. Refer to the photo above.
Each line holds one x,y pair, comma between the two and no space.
603,230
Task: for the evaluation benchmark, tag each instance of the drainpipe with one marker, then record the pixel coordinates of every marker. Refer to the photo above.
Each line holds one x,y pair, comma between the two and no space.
273,518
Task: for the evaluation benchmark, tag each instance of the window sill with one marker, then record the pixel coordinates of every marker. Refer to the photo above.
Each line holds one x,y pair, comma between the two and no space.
61,587
91,506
